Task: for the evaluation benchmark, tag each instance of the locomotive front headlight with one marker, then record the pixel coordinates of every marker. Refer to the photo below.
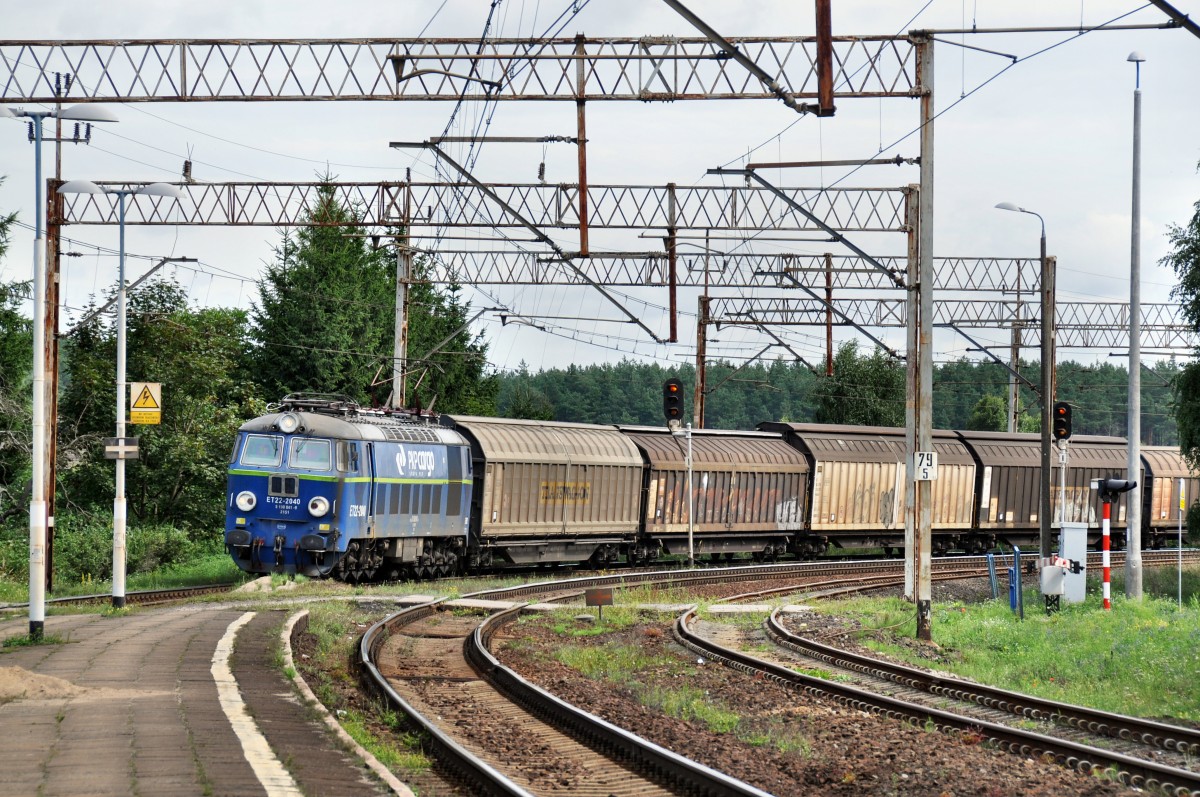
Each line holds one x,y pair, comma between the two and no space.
318,506
246,500
288,423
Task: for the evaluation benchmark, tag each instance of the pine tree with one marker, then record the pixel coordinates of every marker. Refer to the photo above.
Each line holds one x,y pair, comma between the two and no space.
325,321
325,312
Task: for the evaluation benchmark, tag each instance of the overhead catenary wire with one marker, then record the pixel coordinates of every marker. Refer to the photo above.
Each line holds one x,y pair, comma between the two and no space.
923,8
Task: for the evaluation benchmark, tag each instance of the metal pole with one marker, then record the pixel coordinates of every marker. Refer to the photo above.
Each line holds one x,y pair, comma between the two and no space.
53,248
581,147
37,503
1062,489
118,579
912,221
701,355
924,441
691,499
1133,512
828,314
1180,563
1046,482
53,274
672,264
400,333
1014,387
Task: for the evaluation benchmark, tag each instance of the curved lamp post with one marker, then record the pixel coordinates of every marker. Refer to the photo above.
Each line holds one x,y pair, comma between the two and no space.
119,514
37,502
1047,379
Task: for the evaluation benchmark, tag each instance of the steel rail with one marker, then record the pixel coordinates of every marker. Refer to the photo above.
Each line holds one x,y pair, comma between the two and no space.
1156,734
617,743
482,778
1134,771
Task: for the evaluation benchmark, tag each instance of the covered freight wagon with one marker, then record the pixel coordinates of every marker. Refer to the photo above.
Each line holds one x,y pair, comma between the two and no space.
550,492
748,491
858,484
1164,467
1009,483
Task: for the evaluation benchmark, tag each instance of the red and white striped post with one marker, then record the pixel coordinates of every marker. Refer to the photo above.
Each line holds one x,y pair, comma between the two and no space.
1104,555
1109,490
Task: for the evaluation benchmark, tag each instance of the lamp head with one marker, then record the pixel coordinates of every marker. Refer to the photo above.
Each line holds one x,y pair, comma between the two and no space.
1136,57
1008,206
80,187
86,112
160,189
5,113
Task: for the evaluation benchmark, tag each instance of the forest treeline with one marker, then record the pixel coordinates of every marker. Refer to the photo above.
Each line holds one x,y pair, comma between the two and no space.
866,388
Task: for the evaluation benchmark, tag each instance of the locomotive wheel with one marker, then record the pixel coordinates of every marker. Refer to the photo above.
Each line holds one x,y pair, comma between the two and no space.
347,566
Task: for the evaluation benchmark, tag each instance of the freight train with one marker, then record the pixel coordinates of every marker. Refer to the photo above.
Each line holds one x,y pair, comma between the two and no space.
323,487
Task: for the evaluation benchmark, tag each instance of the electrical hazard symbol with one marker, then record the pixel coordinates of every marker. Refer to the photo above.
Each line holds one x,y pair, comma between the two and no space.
147,402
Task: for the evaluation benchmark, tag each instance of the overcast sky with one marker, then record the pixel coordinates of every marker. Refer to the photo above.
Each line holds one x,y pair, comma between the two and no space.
1052,133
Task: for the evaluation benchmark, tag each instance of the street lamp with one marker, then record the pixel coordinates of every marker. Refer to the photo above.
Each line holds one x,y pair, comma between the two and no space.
1133,511
37,502
154,189
1047,379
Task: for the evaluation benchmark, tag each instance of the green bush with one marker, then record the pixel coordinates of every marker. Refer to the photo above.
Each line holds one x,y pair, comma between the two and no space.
83,549
1193,523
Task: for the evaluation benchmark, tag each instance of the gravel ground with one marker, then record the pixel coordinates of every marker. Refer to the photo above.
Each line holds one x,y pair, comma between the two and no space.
786,743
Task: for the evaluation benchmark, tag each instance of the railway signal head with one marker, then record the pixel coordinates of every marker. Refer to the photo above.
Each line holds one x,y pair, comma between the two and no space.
1109,489
1061,428
673,400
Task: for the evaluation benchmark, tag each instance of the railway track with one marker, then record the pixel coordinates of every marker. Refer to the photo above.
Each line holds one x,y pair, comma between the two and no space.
434,666
148,597
502,735
1141,753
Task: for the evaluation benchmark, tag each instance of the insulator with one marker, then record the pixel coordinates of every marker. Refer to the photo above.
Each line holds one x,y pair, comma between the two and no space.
542,172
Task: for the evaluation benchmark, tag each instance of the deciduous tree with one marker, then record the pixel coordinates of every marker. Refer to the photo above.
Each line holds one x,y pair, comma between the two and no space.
865,390
1184,258
201,357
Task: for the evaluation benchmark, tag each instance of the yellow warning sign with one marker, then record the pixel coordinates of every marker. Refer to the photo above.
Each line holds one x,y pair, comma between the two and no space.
147,402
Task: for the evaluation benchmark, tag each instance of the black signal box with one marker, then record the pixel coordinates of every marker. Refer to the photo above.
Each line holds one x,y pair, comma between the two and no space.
1061,421
673,399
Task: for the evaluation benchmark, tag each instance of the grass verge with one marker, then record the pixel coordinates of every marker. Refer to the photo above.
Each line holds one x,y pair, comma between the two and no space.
335,628
1140,658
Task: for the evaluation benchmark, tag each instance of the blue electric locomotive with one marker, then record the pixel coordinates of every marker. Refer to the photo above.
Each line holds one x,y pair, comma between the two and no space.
324,488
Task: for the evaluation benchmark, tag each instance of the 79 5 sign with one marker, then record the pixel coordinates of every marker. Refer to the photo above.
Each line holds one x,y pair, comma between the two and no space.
926,466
